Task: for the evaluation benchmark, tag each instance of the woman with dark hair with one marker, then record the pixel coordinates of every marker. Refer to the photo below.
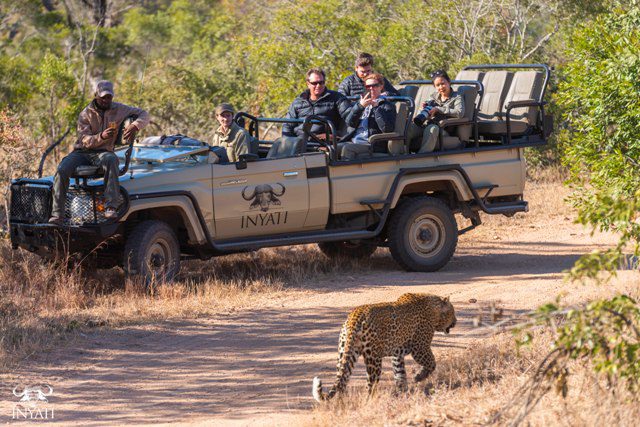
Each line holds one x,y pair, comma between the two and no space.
371,115
444,103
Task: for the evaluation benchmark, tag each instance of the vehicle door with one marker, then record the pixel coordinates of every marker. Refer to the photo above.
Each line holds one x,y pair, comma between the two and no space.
270,196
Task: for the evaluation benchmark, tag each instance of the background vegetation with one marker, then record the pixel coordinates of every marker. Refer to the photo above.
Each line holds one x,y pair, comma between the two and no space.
179,58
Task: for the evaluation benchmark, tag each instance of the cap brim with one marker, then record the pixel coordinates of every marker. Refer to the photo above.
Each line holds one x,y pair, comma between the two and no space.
104,93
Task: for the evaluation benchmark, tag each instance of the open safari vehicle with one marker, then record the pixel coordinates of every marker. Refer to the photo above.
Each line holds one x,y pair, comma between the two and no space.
181,200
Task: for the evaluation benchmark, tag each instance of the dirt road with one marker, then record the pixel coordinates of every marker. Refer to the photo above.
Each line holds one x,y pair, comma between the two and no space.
254,367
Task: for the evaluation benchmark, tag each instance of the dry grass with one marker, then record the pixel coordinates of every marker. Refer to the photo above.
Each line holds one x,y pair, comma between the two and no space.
480,387
40,303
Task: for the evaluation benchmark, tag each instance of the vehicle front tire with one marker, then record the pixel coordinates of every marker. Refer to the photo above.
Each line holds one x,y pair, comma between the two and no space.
358,249
423,234
152,252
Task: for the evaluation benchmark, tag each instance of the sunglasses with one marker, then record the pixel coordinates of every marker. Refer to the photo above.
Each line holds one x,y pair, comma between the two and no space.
371,86
438,73
319,82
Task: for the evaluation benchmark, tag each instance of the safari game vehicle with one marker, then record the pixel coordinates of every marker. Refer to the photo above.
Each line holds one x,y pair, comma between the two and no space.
180,202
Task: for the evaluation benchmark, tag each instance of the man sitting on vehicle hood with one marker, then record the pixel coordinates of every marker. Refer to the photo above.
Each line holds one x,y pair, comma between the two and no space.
97,130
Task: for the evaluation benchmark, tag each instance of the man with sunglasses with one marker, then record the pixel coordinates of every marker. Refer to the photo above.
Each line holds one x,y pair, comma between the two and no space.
316,100
353,85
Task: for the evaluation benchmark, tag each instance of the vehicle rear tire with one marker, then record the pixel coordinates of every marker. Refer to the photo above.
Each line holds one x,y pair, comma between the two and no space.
423,234
152,252
358,249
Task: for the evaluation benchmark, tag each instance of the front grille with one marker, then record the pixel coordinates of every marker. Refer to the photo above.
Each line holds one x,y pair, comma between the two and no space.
30,203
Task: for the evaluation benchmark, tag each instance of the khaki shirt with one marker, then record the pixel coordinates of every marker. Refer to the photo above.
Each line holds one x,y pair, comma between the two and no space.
452,107
92,121
236,141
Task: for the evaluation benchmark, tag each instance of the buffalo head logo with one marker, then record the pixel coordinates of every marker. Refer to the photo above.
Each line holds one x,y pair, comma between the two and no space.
34,394
263,195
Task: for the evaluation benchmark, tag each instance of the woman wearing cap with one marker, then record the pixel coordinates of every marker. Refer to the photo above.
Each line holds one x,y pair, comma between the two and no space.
444,103
234,139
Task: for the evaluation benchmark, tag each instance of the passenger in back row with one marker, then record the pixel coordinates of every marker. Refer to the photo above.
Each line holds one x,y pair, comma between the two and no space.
371,115
444,103
354,84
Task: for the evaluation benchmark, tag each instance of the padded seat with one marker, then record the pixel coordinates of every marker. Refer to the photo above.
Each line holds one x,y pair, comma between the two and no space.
287,146
397,140
496,86
463,126
525,88
89,171
474,75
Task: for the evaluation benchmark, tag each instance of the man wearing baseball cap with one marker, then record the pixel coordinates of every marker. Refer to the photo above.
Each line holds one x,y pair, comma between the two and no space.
98,126
234,139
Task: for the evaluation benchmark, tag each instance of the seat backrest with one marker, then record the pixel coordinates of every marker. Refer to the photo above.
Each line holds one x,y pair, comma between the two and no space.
286,146
525,85
496,86
423,95
470,75
409,91
469,94
402,109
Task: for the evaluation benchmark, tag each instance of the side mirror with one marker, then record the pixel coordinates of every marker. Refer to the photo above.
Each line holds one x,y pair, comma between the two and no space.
244,159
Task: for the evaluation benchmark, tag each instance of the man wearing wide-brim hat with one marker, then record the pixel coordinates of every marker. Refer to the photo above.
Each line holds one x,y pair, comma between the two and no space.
97,130
234,139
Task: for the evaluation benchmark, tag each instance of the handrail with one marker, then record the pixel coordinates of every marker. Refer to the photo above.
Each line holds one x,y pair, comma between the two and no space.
49,149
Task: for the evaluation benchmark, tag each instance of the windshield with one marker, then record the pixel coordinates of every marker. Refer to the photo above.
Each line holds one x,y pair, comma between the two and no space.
163,154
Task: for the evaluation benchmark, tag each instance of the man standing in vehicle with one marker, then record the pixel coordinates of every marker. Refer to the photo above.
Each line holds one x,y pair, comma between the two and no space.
353,85
234,139
97,131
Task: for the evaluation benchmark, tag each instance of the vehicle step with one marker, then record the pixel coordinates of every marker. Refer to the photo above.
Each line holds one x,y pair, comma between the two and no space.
372,202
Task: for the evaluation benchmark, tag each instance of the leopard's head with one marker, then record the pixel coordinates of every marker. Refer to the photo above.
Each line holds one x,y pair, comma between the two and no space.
447,316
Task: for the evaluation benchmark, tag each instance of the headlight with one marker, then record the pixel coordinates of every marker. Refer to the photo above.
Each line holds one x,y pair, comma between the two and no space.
80,208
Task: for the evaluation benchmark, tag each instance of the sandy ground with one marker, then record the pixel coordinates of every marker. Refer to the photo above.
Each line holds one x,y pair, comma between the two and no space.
255,367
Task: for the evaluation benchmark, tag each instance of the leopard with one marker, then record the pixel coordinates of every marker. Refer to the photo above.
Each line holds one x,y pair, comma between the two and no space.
395,329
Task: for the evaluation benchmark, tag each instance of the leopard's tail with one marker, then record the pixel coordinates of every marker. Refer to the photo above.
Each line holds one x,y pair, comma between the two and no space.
346,362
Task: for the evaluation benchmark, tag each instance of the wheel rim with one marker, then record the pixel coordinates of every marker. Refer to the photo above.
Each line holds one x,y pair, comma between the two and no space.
158,258
426,235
